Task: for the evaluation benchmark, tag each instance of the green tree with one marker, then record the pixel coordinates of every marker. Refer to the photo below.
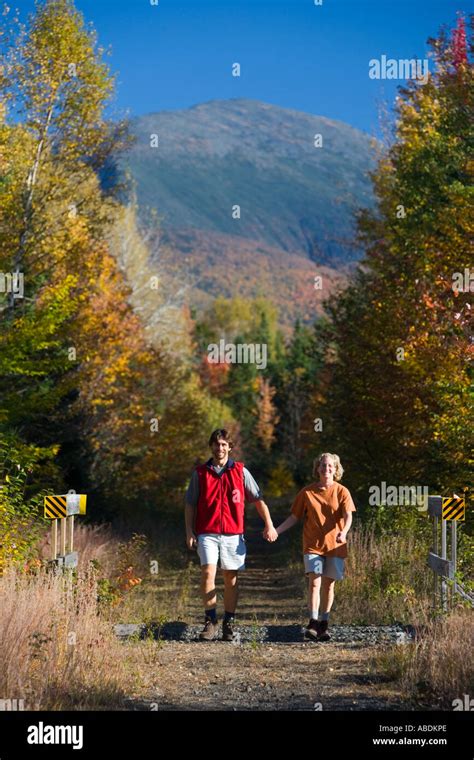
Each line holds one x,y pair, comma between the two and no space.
398,395
80,373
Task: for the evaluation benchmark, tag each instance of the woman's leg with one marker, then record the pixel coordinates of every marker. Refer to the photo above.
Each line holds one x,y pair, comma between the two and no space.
327,593
314,586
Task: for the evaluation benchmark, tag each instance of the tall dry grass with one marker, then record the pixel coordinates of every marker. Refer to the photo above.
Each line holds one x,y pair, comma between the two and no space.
56,652
438,667
92,542
387,579
58,649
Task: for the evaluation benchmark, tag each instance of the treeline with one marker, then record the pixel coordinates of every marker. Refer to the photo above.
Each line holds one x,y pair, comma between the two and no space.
87,401
385,380
106,387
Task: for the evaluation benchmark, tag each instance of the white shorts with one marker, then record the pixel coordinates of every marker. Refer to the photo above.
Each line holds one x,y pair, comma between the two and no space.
230,550
319,564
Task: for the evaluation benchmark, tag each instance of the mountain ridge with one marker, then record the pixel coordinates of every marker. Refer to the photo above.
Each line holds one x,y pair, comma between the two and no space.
294,197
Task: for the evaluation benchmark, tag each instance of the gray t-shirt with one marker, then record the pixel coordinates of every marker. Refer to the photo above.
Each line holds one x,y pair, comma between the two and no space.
252,491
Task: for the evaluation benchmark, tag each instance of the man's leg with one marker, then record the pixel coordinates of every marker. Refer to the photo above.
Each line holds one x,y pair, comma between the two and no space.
231,590
231,593
208,586
208,551
233,551
209,598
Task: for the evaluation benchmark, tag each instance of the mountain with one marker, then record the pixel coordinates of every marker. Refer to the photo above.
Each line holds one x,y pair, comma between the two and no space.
296,200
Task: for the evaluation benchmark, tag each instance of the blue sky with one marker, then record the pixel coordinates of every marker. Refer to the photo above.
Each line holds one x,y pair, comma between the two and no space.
292,53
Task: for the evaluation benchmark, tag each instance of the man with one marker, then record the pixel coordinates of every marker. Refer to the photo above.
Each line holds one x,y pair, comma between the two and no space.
214,514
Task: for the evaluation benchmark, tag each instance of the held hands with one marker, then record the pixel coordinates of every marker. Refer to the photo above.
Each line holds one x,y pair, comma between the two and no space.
270,534
341,537
191,541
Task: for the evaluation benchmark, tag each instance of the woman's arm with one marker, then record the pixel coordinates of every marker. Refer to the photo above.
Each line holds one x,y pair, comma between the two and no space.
342,535
288,523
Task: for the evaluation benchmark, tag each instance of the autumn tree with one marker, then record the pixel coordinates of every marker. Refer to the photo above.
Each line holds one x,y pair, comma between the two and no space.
267,417
80,374
294,377
398,398
240,385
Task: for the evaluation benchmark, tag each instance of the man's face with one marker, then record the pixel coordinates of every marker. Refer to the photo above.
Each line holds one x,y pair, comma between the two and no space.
220,450
326,468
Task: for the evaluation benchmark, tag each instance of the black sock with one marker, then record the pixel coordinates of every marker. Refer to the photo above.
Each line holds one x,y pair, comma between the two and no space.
211,614
228,616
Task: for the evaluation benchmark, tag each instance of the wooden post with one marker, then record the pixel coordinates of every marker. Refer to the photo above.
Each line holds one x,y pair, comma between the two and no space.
454,553
444,588
62,549
435,551
54,539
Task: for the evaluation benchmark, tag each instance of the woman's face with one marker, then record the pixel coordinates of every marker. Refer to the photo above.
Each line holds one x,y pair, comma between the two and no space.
326,469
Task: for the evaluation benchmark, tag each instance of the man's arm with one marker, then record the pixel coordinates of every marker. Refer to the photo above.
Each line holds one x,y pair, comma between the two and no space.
254,496
189,517
269,533
192,496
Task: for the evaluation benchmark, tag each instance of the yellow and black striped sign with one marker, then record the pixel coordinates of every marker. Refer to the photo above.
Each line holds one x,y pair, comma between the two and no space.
55,506
453,508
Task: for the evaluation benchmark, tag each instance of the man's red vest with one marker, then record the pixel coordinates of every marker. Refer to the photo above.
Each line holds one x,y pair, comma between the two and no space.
220,508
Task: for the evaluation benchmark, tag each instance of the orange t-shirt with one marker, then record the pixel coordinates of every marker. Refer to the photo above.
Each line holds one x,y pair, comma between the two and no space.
324,511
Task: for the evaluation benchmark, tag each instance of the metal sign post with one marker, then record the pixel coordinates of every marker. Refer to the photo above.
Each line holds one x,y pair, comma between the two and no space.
448,509
63,508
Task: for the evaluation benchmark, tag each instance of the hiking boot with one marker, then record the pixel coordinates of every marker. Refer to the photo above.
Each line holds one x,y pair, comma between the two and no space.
209,632
312,630
227,631
323,630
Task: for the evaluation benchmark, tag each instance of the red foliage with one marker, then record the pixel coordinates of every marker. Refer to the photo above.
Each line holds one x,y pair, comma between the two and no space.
459,44
214,375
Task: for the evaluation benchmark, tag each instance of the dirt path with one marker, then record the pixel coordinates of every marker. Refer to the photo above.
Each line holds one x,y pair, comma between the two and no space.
269,666
283,676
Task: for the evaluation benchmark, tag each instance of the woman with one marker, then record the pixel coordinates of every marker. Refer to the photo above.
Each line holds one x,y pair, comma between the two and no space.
326,507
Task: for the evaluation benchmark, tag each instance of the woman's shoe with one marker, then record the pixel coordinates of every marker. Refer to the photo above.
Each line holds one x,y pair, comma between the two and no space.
323,630
312,630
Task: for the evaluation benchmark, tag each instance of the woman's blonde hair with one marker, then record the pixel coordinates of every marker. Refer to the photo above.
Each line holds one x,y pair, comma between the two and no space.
337,464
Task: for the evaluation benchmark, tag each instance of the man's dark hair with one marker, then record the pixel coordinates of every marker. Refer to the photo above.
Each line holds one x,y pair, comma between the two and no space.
221,433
